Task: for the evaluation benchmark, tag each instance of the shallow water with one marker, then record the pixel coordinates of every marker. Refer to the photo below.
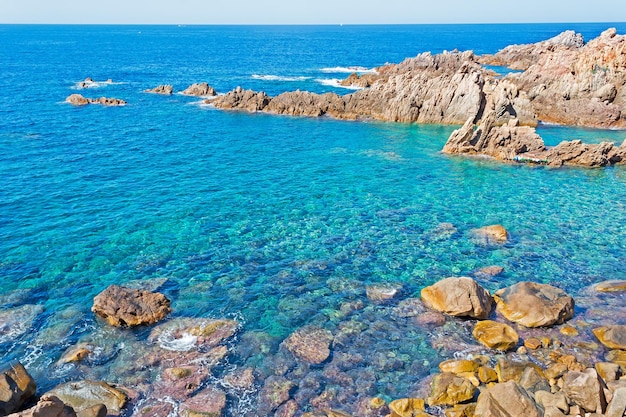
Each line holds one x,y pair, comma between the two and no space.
275,221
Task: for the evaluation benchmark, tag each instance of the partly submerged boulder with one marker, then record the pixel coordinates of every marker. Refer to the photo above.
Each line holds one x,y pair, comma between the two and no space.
613,337
165,90
121,306
461,297
200,90
495,335
534,305
81,395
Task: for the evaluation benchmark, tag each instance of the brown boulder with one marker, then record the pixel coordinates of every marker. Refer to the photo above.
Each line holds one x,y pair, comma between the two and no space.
16,387
461,297
507,399
534,305
611,286
48,406
275,391
310,343
495,335
617,406
585,389
407,407
382,292
613,337
449,389
121,306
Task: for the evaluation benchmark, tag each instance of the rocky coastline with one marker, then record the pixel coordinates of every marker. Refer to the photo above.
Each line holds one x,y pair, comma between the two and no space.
528,349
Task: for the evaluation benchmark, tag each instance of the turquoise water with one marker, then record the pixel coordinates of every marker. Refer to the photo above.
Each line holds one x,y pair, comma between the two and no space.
275,221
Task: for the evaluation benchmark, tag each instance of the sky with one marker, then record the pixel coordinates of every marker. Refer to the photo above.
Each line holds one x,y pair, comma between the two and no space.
309,12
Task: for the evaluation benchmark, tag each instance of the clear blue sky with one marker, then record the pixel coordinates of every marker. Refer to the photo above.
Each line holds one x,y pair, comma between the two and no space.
310,11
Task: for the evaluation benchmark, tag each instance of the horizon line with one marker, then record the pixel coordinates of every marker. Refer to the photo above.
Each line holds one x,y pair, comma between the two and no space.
303,24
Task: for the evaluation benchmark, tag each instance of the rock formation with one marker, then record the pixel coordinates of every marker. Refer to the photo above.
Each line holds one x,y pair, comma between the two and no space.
311,344
16,387
79,100
121,306
83,395
165,90
199,90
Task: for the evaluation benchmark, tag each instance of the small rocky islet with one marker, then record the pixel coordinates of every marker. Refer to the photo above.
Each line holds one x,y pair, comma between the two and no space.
524,350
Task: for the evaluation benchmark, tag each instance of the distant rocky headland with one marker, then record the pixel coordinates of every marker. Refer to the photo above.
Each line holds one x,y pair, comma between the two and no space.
562,80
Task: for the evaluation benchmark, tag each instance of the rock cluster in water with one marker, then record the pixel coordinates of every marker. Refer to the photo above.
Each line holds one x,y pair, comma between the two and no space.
564,81
79,100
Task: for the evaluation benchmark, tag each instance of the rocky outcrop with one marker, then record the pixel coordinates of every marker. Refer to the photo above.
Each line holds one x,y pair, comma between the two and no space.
507,399
165,90
534,305
16,387
199,90
360,81
79,100
49,406
570,82
461,297
449,389
121,306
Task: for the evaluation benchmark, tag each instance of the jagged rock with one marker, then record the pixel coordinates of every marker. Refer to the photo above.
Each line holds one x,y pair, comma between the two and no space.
16,387
165,90
81,395
275,392
534,305
407,407
613,337
121,306
461,297
200,90
310,343
240,379
449,389
79,100
457,366
495,335
547,399
585,389
507,399
239,99
209,402
608,371
362,81
76,353
532,380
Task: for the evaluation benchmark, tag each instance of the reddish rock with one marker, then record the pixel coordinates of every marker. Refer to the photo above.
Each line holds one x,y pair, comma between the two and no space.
209,402
275,391
121,306
48,406
165,90
77,100
200,90
310,344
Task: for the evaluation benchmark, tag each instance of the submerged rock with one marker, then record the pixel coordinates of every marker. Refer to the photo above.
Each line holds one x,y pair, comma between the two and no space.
382,292
462,297
121,306
311,344
15,322
534,305
275,392
211,401
611,286
492,234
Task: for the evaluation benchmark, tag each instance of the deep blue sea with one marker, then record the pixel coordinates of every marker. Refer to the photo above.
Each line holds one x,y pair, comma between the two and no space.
274,221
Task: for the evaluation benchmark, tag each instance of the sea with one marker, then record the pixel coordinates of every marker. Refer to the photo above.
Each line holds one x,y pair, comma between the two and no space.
277,222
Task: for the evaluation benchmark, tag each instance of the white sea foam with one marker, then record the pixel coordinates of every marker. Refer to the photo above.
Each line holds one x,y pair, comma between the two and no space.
182,344
336,82
348,70
89,83
278,78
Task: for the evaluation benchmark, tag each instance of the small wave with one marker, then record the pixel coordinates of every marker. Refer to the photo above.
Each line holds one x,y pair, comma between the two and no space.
89,83
348,70
181,344
336,82
278,78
